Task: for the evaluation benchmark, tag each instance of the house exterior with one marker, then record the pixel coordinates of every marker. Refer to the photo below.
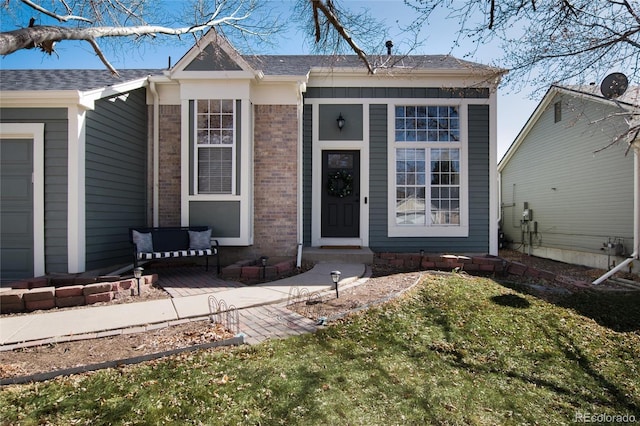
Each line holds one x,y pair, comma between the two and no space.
250,145
563,196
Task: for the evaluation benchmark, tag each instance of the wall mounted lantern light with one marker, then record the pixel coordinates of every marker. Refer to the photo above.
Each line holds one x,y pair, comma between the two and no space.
340,121
335,277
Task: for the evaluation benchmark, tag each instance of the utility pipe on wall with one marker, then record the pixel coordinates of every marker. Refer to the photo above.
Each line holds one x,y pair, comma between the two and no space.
636,218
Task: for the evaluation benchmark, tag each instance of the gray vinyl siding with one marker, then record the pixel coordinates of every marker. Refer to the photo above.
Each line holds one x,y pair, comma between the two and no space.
578,198
116,185
478,144
55,178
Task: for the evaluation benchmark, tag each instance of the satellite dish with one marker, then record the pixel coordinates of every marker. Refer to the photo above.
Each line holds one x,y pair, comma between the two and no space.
614,85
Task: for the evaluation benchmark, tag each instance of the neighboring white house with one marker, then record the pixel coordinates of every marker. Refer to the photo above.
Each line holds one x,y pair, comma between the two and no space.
567,192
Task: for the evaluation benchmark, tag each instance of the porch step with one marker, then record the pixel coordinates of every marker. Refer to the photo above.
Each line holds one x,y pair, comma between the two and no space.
338,254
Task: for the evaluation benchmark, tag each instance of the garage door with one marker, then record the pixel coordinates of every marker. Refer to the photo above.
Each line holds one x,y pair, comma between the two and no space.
16,201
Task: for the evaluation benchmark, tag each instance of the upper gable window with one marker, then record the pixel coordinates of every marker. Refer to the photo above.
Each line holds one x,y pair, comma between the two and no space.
557,112
215,146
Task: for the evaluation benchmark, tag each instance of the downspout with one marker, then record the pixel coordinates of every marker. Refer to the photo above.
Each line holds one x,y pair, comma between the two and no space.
636,218
499,198
494,190
156,152
300,236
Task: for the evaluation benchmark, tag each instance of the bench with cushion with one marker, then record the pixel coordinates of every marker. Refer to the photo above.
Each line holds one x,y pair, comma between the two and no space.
173,242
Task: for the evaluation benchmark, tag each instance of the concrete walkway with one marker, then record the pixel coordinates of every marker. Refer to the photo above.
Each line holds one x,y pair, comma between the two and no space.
257,321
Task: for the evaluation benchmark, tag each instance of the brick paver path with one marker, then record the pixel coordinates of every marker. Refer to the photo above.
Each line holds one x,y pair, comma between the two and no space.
272,322
257,324
191,280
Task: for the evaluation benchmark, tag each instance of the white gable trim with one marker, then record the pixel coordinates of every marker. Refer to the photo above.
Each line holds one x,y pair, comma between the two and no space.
212,37
533,119
66,98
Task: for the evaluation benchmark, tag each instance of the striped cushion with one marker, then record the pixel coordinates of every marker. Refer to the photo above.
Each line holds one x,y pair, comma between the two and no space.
178,253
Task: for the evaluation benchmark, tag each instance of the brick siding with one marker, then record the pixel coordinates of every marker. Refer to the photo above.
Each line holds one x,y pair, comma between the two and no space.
276,179
169,176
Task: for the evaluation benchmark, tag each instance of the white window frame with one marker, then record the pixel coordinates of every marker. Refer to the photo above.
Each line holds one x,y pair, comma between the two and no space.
428,230
197,146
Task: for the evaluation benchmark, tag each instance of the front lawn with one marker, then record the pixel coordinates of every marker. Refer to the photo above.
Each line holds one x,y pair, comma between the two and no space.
455,350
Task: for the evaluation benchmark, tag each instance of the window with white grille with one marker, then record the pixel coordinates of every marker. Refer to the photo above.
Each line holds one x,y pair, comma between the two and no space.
215,146
427,164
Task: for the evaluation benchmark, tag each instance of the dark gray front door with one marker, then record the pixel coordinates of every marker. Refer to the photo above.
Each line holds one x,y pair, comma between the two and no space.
16,216
341,194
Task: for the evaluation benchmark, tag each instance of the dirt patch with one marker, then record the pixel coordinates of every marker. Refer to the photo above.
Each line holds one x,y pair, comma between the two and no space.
383,285
60,356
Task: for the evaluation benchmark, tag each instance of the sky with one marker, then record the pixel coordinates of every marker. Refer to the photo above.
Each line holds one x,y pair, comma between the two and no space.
514,108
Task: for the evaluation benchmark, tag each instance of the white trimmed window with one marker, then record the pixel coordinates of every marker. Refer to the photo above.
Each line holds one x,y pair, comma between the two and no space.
215,146
428,177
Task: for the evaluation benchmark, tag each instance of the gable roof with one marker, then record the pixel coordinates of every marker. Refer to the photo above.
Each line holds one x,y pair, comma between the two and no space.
213,52
80,80
629,100
303,64
270,65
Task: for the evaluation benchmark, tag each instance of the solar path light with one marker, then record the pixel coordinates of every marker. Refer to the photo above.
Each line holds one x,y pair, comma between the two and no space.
335,277
137,273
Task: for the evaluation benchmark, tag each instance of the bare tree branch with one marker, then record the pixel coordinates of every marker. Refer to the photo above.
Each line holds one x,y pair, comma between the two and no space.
60,18
95,20
565,42
103,58
45,36
326,9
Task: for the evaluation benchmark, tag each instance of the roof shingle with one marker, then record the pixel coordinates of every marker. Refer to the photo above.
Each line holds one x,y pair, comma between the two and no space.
273,65
82,80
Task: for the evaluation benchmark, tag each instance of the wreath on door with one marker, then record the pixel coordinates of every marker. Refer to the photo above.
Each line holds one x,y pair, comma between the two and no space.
340,184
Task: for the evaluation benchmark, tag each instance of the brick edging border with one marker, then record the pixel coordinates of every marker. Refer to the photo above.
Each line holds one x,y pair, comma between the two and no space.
485,264
34,296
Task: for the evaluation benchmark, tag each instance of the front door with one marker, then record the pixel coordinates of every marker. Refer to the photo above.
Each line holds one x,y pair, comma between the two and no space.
340,194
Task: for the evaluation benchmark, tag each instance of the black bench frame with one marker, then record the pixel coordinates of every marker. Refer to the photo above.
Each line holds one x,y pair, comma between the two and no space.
173,242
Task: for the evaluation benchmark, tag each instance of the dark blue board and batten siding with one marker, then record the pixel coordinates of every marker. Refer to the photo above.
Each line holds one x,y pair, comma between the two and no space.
55,178
116,177
307,173
479,166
